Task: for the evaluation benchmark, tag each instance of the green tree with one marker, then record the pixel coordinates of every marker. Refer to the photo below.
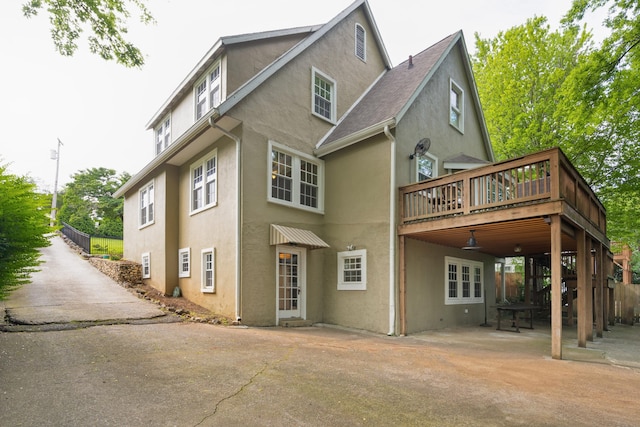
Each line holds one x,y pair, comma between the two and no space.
24,225
106,19
88,205
541,88
610,80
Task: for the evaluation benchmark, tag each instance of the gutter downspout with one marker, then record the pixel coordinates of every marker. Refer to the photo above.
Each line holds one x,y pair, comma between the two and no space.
238,141
392,234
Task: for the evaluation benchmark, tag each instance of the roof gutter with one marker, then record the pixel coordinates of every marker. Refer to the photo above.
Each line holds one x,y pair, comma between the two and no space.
238,273
355,137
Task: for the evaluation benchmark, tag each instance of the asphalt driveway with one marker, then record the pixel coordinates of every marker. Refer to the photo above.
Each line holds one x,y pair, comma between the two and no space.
133,373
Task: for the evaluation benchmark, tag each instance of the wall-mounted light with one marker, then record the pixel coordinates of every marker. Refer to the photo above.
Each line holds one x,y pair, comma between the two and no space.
517,249
351,247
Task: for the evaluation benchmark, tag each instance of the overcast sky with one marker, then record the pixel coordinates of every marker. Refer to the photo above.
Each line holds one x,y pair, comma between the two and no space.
99,109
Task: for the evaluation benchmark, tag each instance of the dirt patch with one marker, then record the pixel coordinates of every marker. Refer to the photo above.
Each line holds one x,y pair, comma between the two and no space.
179,306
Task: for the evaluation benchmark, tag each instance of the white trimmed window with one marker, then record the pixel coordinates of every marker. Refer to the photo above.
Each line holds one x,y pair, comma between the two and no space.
323,95
296,178
361,42
204,182
163,135
146,265
352,270
208,281
464,281
146,197
184,262
456,106
207,92
426,167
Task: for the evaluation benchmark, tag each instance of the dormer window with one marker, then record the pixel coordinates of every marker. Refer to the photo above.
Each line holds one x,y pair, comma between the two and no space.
361,42
163,135
207,92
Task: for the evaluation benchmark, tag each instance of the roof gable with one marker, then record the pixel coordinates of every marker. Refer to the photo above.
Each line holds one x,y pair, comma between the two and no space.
387,101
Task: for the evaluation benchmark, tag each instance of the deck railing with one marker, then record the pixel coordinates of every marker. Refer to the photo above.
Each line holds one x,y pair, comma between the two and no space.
544,176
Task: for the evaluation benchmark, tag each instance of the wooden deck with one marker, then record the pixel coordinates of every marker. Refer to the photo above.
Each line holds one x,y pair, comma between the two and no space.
527,189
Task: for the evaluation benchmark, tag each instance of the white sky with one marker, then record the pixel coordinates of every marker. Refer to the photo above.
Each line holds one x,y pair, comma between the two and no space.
99,109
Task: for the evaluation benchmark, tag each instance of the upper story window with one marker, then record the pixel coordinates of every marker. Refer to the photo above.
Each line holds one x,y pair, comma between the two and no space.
456,106
323,95
163,135
296,178
207,91
146,198
352,270
361,42
464,281
204,182
426,167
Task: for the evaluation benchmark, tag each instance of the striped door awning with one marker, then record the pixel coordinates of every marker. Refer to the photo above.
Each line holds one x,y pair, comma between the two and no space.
281,235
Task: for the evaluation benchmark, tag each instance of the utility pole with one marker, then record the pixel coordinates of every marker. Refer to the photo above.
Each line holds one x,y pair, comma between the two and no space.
55,155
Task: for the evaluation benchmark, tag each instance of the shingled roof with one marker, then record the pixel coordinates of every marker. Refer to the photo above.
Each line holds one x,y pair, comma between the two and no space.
392,94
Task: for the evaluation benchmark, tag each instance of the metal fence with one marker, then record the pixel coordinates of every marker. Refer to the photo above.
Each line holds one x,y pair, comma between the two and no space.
94,245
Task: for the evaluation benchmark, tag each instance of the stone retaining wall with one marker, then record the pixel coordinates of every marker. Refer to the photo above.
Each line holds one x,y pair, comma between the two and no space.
127,273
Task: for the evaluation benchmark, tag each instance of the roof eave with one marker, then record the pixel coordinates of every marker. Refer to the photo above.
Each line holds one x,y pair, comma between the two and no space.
355,137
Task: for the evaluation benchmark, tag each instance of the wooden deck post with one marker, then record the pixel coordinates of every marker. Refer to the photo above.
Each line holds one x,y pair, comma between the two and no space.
403,287
581,272
600,277
528,278
556,287
590,289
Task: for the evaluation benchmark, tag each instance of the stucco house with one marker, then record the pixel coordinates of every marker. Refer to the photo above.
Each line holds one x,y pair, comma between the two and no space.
300,177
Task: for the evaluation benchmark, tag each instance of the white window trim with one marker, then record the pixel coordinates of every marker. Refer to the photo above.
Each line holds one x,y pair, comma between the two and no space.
334,93
364,43
204,289
217,64
352,286
146,260
181,272
202,161
165,128
295,190
433,159
460,299
149,186
454,87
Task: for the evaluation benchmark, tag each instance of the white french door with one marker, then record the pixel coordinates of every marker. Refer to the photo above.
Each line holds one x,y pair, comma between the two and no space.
291,281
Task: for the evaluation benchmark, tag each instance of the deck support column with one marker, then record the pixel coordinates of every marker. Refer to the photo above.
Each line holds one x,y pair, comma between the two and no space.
528,278
590,288
556,287
403,287
599,290
581,272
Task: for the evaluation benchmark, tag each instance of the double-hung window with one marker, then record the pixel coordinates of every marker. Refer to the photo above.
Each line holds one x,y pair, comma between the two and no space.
208,279
456,106
184,262
207,92
163,135
464,281
361,42
426,167
323,96
146,198
352,270
296,178
204,181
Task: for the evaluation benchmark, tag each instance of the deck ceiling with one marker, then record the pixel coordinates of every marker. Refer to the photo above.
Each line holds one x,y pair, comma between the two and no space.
533,235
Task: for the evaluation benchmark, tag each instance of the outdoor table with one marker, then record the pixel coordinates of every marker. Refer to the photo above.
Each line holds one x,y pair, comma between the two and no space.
515,310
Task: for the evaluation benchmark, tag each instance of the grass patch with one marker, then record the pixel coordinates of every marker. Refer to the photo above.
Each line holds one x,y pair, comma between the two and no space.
106,246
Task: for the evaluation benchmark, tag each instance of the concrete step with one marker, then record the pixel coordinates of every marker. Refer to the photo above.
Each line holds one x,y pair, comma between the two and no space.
295,323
